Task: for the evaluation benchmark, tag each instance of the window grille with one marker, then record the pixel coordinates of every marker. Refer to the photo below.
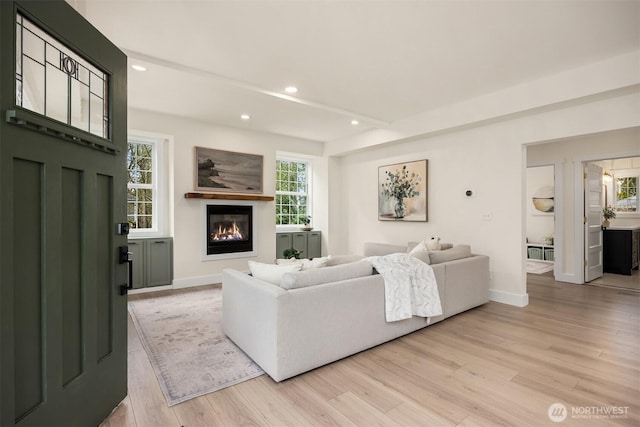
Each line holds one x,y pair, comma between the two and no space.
54,81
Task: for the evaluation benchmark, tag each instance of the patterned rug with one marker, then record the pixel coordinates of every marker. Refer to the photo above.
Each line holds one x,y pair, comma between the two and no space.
191,356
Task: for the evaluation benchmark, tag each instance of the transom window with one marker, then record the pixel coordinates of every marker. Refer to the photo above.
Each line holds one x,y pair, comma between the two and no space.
140,186
54,81
292,191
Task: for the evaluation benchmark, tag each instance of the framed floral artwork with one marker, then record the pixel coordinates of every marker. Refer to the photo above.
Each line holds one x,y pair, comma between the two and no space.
402,191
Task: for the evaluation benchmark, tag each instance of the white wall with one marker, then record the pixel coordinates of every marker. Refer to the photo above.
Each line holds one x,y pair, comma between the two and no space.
490,167
480,145
188,227
490,160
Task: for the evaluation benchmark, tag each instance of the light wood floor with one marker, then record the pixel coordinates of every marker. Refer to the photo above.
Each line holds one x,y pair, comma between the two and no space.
495,365
621,281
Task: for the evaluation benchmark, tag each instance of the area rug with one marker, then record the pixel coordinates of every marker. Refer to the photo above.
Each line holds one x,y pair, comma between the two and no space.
191,356
536,267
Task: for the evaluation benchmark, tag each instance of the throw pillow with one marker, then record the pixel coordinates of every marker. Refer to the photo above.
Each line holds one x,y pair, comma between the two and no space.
306,263
272,273
282,261
443,246
419,250
456,252
342,259
419,247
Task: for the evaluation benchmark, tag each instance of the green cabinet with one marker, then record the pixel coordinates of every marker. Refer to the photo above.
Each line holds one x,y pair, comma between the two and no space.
314,244
308,242
152,261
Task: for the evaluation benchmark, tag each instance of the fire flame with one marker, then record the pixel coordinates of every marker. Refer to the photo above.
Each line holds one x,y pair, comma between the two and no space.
231,232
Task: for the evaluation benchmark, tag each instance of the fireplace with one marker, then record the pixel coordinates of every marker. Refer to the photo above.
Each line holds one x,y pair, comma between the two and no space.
229,229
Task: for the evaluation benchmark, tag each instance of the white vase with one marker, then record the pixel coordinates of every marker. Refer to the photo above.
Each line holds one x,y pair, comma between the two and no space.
606,223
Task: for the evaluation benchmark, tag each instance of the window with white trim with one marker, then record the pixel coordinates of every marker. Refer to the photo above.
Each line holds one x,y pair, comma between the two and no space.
293,191
146,183
626,190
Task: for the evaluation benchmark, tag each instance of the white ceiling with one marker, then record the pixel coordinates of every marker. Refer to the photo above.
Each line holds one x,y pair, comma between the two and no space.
376,61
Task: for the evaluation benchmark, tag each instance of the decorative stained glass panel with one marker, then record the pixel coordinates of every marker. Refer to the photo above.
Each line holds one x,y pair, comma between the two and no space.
54,81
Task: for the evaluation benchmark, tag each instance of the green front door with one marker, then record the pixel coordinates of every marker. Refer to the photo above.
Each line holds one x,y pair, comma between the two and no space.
63,126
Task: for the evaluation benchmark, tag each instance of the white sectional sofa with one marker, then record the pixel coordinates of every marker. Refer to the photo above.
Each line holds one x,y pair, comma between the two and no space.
291,331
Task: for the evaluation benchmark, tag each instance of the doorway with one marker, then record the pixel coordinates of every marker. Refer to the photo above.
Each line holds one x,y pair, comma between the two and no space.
540,219
619,193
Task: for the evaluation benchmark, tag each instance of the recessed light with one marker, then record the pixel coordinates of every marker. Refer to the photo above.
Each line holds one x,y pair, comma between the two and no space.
355,122
138,67
245,117
291,89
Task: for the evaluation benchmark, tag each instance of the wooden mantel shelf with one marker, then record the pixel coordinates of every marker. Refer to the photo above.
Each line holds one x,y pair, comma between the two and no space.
228,196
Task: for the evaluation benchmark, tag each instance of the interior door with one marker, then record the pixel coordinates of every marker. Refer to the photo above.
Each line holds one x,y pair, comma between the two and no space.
593,266
63,347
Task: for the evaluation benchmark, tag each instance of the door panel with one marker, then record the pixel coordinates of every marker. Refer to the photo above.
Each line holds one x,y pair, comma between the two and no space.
27,351
103,264
593,230
71,240
63,355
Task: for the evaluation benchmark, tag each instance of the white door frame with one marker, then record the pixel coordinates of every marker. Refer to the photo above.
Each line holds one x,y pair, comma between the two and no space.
578,166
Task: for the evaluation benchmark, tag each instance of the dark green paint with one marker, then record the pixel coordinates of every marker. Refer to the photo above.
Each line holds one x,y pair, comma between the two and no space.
71,240
63,323
27,211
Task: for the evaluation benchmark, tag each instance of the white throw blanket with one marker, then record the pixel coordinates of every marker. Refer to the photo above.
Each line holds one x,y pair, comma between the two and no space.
409,286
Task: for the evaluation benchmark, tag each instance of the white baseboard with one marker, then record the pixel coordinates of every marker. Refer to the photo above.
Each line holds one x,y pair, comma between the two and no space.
190,282
181,284
151,289
519,300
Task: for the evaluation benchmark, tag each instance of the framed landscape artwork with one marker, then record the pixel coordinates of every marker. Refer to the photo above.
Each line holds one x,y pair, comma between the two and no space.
228,171
402,191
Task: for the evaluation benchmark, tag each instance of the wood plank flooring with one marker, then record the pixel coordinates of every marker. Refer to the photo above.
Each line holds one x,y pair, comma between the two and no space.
495,365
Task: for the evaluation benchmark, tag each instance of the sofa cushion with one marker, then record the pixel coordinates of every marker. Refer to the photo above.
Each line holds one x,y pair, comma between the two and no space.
272,273
456,252
306,263
443,246
342,259
420,251
303,279
422,256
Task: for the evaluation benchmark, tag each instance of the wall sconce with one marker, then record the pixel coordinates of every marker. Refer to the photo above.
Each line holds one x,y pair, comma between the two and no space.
607,177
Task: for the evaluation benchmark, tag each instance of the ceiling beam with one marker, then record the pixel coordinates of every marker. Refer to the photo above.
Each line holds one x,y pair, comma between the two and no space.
254,88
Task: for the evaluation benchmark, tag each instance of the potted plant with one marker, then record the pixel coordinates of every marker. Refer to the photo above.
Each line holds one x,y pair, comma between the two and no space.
292,253
307,224
607,213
